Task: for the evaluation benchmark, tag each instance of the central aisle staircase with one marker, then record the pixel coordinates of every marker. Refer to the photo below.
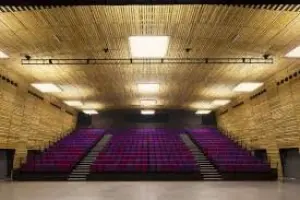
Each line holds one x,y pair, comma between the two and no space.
207,170
82,169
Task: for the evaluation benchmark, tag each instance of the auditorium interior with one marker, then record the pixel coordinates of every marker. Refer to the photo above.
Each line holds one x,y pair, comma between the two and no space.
150,102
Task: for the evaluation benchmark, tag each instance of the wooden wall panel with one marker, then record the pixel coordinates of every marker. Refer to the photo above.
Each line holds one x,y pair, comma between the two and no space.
27,122
271,120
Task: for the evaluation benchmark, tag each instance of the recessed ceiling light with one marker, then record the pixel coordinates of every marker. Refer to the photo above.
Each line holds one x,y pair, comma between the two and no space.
73,103
148,46
3,55
46,87
90,112
148,87
294,53
202,112
148,102
147,112
92,105
247,87
220,102
202,105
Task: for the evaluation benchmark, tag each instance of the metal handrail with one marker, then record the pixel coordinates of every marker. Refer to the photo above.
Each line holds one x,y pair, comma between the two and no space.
243,144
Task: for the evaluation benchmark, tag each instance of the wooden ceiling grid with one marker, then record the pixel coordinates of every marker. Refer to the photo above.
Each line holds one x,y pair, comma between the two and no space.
209,30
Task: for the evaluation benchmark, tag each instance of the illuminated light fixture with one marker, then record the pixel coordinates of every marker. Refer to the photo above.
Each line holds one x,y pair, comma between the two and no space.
148,46
247,87
148,87
3,55
202,112
203,105
220,102
46,87
147,112
91,105
90,112
148,102
73,103
294,53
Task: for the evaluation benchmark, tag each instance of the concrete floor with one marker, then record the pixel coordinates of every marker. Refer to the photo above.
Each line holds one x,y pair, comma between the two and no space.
149,191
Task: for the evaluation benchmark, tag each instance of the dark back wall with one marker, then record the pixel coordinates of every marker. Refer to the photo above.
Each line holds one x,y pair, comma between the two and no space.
125,118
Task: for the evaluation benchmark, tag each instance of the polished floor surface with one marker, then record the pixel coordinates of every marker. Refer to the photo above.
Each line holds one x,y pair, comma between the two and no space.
149,191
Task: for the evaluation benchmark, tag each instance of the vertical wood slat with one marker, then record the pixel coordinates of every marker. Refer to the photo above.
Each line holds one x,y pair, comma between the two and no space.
271,121
26,122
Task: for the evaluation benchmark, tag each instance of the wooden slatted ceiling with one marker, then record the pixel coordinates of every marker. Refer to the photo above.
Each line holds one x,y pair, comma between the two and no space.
211,31
277,7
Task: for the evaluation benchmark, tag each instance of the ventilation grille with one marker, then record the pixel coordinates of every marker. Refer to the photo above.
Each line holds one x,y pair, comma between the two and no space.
277,7
224,112
69,112
58,107
258,94
8,80
237,105
36,95
288,78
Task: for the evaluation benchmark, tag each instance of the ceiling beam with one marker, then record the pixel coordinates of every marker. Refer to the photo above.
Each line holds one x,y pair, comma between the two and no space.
130,61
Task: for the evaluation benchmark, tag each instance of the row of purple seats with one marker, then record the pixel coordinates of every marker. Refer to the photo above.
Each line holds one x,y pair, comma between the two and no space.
225,154
142,167
145,150
63,155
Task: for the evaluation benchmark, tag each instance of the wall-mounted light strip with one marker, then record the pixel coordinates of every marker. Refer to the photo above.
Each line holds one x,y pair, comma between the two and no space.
147,112
202,112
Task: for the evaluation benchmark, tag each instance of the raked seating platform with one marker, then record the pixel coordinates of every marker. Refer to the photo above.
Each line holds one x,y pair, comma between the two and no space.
145,150
63,155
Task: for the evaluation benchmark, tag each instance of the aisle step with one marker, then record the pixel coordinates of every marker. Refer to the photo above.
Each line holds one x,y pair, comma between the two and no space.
207,170
83,168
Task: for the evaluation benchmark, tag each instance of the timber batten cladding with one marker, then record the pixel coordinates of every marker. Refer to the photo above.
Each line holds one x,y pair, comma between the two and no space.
269,121
27,120
267,118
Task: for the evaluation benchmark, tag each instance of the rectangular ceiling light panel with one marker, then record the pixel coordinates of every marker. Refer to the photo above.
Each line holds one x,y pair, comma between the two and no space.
294,53
90,112
147,112
203,112
73,103
46,87
148,87
220,102
203,105
247,87
3,55
148,46
148,102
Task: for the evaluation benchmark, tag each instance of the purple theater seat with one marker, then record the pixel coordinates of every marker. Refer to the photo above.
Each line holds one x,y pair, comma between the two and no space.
62,156
141,150
227,155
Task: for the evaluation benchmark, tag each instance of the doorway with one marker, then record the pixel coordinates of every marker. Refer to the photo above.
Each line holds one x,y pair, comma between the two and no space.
290,160
6,163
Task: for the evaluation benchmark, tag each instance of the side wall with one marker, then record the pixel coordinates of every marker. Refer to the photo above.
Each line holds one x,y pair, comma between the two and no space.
27,122
270,120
